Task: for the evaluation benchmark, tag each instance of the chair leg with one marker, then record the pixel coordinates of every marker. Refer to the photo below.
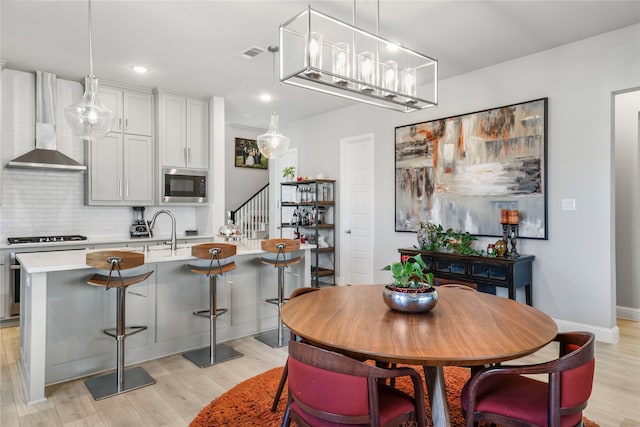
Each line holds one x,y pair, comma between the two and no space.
280,301
283,379
116,383
214,353
277,338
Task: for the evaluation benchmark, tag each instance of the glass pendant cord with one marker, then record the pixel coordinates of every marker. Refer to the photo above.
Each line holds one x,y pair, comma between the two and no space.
89,119
273,144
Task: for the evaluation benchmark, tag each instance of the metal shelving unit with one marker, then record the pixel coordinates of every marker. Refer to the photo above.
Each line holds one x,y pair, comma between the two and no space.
308,208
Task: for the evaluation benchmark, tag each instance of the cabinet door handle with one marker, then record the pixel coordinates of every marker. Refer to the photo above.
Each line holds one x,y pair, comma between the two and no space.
188,156
119,188
348,231
120,123
126,124
126,188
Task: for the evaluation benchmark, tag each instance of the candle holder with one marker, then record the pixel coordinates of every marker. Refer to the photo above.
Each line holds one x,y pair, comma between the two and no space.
513,237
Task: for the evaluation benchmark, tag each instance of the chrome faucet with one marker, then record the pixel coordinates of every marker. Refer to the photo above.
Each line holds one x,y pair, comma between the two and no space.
152,223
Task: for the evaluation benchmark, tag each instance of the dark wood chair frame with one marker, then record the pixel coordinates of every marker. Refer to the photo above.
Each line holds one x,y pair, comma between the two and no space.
567,360
336,362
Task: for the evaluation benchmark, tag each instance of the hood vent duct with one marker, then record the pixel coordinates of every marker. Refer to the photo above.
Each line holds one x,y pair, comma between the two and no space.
46,155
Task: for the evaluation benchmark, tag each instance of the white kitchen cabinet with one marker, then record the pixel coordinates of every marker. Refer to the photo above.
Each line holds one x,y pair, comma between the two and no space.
132,109
120,170
182,130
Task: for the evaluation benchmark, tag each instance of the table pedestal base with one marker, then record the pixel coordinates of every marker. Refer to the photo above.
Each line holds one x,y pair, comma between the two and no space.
434,377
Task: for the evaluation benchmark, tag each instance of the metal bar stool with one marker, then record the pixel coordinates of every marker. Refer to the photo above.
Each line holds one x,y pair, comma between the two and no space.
117,382
214,252
280,247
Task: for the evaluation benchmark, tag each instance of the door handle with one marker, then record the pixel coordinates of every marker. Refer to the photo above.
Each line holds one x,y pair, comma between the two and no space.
126,124
348,231
120,123
119,188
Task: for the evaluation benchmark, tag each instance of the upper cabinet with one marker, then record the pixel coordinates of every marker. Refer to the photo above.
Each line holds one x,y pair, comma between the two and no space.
182,130
132,109
121,164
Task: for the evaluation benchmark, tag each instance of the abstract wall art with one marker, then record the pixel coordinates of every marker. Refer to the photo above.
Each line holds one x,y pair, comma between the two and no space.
461,171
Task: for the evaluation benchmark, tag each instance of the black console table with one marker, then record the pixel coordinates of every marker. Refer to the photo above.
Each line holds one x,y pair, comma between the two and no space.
503,272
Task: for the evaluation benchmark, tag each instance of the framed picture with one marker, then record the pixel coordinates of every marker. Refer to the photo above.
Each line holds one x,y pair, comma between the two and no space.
461,171
247,154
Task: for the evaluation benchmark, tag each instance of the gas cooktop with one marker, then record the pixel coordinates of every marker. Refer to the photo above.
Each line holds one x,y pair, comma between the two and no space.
46,239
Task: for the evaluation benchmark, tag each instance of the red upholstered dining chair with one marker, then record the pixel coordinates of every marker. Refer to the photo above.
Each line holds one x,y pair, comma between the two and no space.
295,293
331,389
503,395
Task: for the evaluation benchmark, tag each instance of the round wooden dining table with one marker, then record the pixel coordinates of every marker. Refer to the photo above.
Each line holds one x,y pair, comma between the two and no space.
466,328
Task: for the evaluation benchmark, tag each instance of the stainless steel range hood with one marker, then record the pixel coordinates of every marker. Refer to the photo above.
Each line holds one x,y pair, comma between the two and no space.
46,155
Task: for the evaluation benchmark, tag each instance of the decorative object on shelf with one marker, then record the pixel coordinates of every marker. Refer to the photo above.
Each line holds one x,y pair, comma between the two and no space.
247,154
89,119
411,290
500,248
288,173
364,67
460,171
273,144
432,237
514,219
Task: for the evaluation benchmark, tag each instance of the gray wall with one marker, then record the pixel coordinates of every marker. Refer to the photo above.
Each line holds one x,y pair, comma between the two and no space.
574,274
627,117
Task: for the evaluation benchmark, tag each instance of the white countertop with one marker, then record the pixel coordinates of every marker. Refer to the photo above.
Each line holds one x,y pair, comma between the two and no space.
104,240
44,262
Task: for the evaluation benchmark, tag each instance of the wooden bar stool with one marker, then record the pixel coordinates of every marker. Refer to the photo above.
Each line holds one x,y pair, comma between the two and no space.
215,253
280,247
118,261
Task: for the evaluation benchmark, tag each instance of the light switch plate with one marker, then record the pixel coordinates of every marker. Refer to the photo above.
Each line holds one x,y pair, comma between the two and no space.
568,204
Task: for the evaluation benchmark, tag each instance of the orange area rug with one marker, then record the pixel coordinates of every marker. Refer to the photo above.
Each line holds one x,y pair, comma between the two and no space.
249,403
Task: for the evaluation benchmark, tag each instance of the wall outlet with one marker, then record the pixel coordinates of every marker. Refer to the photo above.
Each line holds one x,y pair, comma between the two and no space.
568,204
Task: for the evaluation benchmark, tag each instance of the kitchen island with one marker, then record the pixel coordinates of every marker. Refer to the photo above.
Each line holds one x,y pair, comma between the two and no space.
62,317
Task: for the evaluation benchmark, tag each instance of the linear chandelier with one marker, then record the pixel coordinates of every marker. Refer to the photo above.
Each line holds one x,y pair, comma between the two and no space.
325,54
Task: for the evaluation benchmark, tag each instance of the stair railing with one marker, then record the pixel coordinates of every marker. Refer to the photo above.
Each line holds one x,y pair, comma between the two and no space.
253,215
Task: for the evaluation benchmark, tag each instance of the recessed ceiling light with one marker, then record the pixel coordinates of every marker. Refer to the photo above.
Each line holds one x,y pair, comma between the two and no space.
265,97
139,69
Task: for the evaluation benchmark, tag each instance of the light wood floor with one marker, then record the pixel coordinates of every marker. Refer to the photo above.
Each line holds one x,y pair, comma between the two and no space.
183,389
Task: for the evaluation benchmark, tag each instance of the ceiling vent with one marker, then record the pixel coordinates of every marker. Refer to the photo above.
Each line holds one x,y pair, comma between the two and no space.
252,52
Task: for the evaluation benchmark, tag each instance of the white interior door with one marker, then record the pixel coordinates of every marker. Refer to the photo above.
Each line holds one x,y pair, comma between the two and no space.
356,207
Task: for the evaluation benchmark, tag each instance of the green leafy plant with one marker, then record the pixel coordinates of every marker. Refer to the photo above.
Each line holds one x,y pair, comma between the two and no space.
289,171
438,238
410,273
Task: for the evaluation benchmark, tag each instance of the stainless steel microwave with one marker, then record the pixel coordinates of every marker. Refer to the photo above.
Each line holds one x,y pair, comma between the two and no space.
184,186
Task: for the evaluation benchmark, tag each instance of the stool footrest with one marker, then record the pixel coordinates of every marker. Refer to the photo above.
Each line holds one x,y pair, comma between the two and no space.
128,331
275,300
205,313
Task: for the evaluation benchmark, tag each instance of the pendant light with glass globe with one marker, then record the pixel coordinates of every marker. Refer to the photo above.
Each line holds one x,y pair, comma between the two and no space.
273,144
89,118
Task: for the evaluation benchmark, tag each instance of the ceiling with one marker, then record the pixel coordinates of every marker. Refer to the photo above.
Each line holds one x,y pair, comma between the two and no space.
194,46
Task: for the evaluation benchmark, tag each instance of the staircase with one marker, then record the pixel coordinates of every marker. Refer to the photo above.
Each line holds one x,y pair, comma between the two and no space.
253,216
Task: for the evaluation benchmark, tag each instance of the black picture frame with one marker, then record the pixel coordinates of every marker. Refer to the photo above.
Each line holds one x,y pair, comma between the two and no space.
247,155
460,171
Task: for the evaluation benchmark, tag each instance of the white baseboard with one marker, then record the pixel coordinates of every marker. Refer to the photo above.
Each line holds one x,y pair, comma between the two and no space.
628,313
607,335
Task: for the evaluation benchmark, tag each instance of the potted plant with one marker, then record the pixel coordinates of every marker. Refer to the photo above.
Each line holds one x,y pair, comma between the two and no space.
412,289
433,237
288,173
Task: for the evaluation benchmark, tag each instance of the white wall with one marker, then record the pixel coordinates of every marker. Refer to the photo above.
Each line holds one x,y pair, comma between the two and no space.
574,275
242,183
627,116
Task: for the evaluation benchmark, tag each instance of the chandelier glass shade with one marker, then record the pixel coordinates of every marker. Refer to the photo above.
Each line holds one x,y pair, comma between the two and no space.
273,144
89,118
324,54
